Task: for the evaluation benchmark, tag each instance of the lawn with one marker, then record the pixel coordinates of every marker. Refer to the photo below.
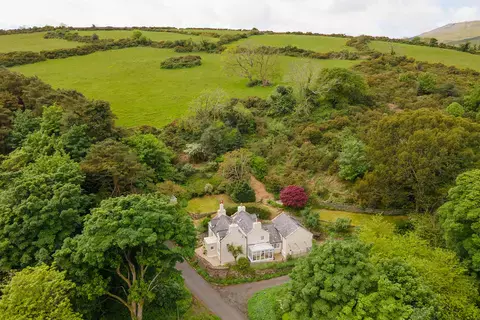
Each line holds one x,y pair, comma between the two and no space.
315,43
33,42
357,218
208,203
139,91
153,35
434,55
263,304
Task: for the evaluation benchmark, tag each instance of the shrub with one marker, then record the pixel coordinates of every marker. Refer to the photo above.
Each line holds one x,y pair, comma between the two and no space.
259,167
342,224
241,192
455,109
426,84
243,266
294,197
208,188
311,219
181,62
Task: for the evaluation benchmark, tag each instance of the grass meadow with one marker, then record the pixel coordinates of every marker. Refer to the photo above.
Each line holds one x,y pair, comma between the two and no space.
33,42
139,91
153,35
315,43
433,55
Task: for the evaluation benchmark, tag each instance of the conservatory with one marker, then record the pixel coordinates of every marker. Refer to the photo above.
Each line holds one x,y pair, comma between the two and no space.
261,252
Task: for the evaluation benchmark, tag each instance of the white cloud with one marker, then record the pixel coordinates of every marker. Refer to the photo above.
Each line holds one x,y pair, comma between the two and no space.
395,18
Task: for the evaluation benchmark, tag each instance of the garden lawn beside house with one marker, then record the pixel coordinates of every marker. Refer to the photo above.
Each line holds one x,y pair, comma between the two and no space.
208,203
357,219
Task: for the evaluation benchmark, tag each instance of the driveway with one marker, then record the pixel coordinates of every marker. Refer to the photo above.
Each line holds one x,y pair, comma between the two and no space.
237,295
209,296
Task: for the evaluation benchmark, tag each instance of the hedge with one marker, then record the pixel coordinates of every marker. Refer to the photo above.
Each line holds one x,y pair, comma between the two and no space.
181,62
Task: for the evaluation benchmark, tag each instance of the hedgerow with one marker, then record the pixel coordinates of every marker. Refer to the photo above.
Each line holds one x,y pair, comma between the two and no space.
181,62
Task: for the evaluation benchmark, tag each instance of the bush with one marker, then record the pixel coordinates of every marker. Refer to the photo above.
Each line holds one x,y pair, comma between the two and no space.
294,197
259,167
311,219
241,192
181,62
455,109
243,266
426,84
342,225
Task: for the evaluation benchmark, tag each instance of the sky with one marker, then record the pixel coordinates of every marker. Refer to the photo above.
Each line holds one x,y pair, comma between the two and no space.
393,18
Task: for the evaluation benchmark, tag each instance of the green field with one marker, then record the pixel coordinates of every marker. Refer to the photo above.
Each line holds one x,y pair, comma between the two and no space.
221,32
153,35
139,91
433,55
358,219
33,42
315,43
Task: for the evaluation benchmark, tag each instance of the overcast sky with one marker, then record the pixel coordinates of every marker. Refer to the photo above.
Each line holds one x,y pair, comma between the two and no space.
394,18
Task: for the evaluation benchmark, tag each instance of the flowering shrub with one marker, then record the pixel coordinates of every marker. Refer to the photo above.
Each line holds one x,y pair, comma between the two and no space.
294,197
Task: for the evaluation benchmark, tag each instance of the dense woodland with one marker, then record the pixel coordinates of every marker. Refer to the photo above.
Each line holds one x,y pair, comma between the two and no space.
85,206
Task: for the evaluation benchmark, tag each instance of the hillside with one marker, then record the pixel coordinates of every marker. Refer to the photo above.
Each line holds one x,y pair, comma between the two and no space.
454,32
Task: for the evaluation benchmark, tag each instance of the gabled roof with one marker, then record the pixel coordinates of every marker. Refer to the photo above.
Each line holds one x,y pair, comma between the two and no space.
274,235
286,224
244,220
220,224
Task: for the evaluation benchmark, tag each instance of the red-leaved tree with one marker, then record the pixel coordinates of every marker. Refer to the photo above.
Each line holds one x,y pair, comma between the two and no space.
294,197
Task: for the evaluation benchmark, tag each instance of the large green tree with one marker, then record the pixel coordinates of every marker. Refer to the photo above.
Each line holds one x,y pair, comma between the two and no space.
415,158
460,218
154,153
439,270
326,284
132,243
38,293
340,87
112,167
39,207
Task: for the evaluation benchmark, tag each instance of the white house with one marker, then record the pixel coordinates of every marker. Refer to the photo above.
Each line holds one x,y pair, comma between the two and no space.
259,241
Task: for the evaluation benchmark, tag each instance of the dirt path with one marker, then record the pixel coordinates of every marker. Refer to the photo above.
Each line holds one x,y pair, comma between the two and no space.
237,295
209,297
261,194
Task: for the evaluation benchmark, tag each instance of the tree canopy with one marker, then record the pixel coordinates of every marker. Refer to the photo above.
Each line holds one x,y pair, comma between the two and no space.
460,218
133,240
38,293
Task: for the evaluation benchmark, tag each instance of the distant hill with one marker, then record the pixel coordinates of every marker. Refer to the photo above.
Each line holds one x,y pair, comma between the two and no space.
455,32
475,40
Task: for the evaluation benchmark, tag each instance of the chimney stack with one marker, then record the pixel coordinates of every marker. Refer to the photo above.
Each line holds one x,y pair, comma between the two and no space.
221,211
241,208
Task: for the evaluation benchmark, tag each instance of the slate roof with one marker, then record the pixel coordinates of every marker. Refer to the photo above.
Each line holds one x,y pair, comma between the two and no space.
274,235
220,224
244,220
286,224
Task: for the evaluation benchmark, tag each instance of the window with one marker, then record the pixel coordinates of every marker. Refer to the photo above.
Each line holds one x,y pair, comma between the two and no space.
211,248
277,245
262,237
